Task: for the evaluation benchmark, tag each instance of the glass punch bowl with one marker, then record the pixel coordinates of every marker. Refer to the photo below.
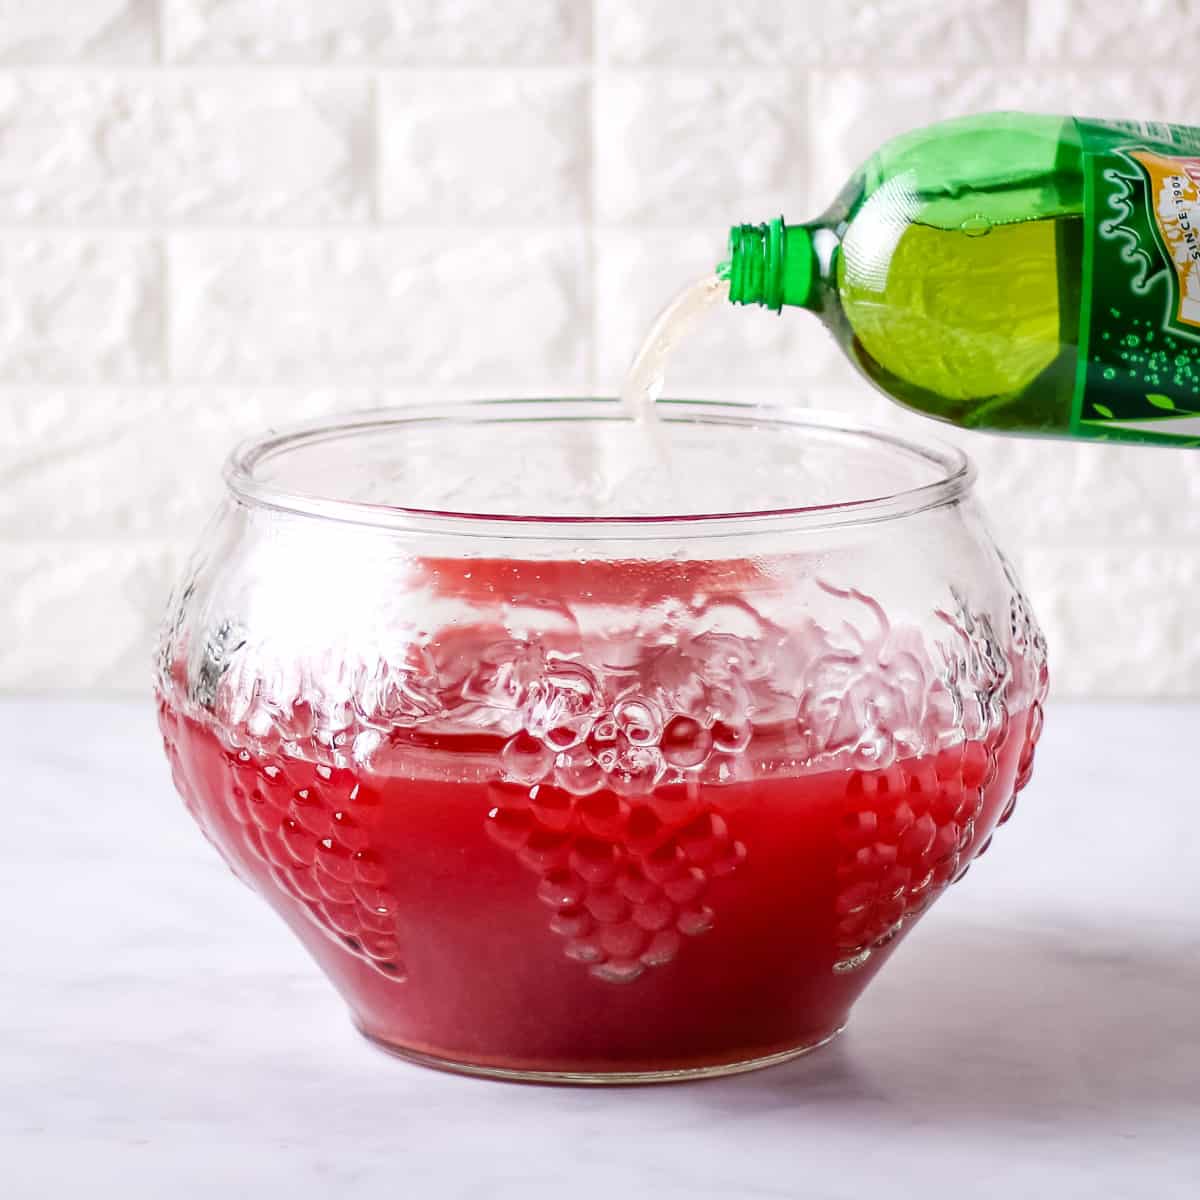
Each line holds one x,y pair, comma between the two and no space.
558,779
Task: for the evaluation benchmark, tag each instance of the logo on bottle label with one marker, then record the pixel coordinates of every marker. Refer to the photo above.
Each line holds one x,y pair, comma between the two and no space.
1159,223
1139,319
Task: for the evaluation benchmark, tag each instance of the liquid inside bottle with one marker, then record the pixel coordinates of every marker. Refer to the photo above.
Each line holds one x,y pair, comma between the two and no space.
964,323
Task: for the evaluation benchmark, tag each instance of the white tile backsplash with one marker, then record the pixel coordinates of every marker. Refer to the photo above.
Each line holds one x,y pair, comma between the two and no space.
1098,31
78,31
718,146
84,308
385,306
805,32
498,33
503,148
218,215
140,148
74,464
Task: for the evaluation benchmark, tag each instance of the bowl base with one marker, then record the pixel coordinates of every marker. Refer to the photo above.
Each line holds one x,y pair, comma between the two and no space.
594,1078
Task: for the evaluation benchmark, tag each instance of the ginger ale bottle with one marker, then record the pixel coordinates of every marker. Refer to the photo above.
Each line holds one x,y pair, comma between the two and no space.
1010,272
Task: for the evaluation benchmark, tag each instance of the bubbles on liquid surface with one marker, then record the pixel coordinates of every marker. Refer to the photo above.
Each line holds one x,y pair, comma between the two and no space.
976,226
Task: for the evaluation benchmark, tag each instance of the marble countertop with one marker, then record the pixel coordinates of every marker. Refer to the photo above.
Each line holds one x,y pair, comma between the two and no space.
162,1035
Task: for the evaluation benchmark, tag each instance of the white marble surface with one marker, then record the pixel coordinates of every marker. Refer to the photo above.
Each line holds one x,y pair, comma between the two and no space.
161,1035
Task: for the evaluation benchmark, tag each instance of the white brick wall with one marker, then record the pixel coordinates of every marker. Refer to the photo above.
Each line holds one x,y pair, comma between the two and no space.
219,214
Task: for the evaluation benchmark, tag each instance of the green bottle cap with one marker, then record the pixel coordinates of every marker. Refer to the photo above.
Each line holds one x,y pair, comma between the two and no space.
770,264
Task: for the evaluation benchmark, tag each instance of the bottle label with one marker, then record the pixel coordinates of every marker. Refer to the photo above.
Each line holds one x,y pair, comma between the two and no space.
1139,328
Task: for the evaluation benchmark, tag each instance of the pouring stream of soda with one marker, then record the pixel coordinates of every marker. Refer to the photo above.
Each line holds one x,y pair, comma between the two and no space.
646,449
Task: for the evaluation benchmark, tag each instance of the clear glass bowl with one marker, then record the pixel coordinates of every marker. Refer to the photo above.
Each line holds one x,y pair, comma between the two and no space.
564,797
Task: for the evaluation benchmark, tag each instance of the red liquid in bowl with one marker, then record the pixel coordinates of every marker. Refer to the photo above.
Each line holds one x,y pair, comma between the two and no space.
523,927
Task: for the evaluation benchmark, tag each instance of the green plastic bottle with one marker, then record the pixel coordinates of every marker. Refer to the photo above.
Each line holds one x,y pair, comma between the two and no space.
1011,272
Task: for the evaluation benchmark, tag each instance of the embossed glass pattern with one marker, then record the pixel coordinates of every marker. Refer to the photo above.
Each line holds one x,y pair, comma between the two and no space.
557,797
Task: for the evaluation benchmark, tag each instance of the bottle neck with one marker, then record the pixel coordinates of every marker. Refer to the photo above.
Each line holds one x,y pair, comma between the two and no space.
771,265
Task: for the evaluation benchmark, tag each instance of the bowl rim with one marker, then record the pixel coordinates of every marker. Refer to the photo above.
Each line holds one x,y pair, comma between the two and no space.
954,478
